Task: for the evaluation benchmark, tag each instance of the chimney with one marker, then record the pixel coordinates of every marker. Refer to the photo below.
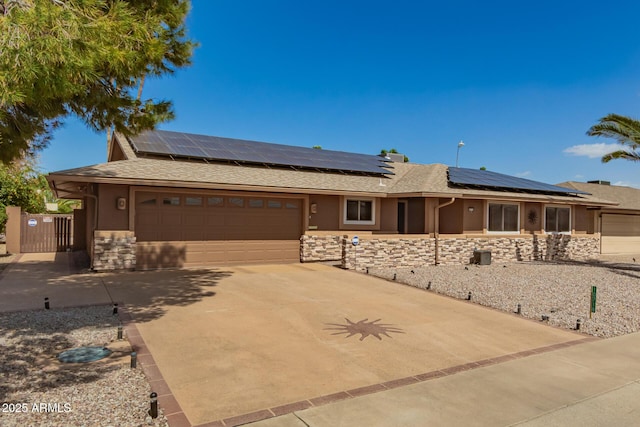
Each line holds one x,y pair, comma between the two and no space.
599,181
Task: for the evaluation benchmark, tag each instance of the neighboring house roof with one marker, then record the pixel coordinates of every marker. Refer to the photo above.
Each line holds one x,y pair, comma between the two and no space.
408,179
627,198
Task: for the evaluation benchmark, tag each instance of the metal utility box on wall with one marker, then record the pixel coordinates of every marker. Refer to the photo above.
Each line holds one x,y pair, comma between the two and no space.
482,257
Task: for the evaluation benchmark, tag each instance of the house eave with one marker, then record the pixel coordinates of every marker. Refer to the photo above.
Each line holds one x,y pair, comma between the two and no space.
57,181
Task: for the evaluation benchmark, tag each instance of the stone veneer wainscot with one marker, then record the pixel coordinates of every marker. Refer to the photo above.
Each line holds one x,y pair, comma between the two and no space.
375,252
320,248
114,250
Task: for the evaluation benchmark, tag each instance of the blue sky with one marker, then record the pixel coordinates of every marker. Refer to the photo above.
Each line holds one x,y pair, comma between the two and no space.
519,83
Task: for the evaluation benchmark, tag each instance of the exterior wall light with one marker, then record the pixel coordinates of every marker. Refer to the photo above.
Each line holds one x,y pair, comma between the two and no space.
121,203
471,209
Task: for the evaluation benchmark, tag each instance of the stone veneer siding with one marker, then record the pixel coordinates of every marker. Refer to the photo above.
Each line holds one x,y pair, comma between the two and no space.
114,250
418,252
320,248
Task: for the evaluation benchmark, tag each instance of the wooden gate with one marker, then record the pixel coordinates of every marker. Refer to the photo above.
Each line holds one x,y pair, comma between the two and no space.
46,232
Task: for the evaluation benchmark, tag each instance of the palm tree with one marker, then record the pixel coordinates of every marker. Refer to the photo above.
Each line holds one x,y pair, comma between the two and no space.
625,130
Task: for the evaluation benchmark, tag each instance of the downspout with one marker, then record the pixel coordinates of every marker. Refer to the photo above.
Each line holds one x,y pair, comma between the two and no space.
437,228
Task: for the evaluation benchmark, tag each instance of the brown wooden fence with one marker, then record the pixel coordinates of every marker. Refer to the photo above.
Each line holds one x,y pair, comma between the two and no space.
46,233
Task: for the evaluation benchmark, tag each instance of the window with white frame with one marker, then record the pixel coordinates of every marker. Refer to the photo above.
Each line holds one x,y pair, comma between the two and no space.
359,211
557,219
504,218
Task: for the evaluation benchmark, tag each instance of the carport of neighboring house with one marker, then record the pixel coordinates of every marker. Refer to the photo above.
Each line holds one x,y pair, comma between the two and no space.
620,233
619,225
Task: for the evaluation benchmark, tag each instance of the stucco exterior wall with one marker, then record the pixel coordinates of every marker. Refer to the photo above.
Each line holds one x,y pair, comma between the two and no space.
532,217
389,215
326,216
109,216
13,229
472,221
580,219
416,216
451,218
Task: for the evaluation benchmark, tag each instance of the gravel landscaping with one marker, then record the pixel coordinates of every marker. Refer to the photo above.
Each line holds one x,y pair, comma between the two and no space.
49,393
559,290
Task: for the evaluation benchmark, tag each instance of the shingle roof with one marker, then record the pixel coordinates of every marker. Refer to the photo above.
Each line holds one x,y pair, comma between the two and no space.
628,198
409,179
161,172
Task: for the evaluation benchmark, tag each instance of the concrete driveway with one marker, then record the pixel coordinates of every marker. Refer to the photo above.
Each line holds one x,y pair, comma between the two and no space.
257,343
232,343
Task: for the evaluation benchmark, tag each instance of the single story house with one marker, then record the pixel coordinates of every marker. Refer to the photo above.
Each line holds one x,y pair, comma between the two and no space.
169,199
619,226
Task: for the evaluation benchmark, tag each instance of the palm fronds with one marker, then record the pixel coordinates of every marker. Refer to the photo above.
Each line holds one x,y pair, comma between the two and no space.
625,130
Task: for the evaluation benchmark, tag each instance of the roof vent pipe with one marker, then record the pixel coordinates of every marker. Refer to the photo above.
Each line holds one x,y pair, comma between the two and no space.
395,157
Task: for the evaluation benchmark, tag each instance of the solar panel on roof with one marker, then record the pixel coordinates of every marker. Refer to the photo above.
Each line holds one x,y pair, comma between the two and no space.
228,149
482,178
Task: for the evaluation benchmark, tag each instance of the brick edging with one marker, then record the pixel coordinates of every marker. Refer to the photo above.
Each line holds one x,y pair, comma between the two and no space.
166,400
388,385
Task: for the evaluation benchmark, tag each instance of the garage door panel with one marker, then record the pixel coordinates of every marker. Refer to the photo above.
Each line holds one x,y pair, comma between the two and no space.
171,220
194,219
151,219
171,233
620,245
191,233
620,234
620,225
217,229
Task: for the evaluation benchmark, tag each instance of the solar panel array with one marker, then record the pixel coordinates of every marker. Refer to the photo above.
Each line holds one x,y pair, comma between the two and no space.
482,178
177,144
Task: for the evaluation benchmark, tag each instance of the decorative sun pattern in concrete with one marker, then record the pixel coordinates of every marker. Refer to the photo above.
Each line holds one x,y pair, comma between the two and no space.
364,328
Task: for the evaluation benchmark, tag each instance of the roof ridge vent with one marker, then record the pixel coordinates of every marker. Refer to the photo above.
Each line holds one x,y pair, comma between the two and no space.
599,181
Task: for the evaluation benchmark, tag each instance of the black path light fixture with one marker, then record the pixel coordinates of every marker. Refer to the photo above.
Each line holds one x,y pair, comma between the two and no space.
153,403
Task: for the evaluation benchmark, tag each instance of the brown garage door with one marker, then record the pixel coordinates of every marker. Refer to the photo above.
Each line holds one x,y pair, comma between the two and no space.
186,230
620,234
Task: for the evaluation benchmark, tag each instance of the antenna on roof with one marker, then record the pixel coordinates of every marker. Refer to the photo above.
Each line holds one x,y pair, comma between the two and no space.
460,145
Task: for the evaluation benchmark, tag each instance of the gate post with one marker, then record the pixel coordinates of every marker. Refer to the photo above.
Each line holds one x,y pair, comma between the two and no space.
13,229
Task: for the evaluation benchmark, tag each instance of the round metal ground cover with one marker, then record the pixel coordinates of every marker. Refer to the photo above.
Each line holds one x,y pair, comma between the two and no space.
84,354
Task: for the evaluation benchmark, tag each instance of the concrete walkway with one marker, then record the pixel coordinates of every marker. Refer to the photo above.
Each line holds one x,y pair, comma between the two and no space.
31,278
532,376
592,384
